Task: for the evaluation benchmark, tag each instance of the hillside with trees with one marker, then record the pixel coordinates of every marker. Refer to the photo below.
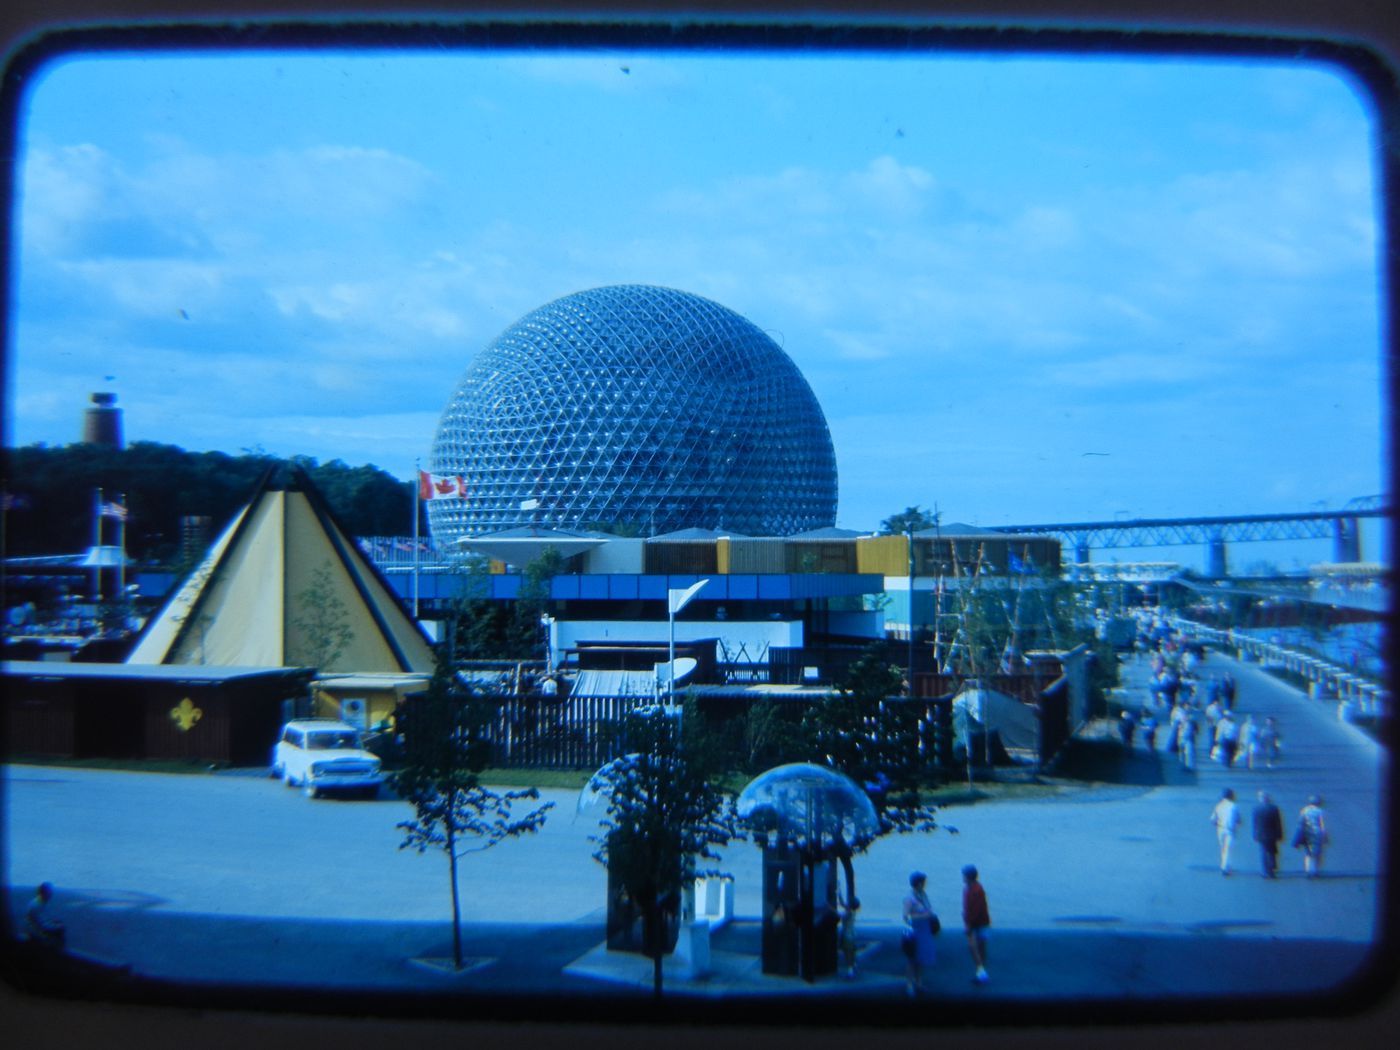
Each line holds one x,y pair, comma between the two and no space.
49,495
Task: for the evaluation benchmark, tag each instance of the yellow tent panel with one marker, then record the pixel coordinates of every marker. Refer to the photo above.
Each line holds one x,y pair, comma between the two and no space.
283,586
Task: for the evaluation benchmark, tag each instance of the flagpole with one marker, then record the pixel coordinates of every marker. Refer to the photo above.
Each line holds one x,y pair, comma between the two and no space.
97,544
417,510
121,545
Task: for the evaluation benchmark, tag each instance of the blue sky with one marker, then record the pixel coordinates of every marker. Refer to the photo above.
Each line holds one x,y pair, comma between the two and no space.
985,267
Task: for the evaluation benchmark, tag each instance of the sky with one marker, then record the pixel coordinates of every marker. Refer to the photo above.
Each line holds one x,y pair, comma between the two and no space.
1023,289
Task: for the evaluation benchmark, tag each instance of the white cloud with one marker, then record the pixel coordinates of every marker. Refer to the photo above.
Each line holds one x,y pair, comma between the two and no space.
858,346
60,190
900,189
149,288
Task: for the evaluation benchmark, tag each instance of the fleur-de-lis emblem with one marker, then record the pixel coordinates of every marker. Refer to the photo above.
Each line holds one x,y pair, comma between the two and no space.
185,715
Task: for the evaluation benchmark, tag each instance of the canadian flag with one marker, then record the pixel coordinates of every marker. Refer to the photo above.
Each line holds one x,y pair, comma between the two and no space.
440,486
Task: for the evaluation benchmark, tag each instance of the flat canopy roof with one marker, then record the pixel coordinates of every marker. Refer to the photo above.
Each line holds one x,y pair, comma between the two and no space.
145,672
372,681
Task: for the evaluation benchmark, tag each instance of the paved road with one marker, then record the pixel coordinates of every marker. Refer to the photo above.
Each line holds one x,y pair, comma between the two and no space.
1110,892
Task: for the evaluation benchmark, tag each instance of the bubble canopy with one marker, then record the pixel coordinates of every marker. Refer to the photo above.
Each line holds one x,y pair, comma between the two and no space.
808,805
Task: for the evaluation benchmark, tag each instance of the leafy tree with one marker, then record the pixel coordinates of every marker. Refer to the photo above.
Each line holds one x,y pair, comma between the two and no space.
664,812
476,623
323,622
483,629
445,749
53,490
524,634
914,519
869,732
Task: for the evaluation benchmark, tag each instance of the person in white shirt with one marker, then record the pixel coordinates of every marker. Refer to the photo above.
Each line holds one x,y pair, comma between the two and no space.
1226,818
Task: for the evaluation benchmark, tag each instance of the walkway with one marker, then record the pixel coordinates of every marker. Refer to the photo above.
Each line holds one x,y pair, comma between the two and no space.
1109,892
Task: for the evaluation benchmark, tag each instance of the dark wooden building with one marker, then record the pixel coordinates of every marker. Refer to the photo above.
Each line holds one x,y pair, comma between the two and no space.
227,715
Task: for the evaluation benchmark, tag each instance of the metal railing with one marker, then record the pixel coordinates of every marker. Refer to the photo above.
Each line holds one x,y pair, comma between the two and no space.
1357,695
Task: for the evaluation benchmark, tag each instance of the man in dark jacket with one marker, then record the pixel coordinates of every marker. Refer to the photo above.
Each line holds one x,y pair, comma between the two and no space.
1268,832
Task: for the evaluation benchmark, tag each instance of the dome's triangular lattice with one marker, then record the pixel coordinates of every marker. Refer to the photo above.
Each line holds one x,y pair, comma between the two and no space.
634,406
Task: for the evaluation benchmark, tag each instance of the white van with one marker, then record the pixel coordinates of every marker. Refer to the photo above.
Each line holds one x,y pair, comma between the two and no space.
323,754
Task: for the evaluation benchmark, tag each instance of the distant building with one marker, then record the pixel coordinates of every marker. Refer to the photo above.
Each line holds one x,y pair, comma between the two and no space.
102,423
770,601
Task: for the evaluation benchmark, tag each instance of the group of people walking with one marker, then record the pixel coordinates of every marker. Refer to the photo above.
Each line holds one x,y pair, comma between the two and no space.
1174,707
1310,833
1194,714
922,926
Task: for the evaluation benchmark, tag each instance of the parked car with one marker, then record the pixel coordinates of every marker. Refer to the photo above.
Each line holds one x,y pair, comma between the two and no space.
323,754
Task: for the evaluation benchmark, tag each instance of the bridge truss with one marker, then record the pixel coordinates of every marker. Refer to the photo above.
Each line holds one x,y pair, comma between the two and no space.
1342,526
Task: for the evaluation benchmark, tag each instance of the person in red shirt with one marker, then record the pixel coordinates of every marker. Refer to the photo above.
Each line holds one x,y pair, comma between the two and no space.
976,919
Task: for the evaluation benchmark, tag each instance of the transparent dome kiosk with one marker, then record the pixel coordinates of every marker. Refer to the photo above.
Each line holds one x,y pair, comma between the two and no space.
806,818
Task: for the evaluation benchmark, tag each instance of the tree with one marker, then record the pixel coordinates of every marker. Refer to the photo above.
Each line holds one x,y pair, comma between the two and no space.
524,638
163,483
873,735
445,749
481,628
664,812
322,621
910,519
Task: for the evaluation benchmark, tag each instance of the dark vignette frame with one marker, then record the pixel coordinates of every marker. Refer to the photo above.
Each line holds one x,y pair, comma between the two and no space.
1375,80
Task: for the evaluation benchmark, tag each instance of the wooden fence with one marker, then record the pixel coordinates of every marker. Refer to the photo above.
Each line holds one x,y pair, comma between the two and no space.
549,732
546,732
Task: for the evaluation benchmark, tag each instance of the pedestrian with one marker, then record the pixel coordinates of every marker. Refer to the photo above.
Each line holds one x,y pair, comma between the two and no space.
39,923
849,907
1127,725
1212,719
1227,690
1268,832
1187,734
920,926
1226,818
1249,740
1311,836
1270,743
1148,722
976,919
1227,738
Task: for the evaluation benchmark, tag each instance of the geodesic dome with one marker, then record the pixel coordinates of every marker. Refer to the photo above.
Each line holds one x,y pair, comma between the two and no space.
639,406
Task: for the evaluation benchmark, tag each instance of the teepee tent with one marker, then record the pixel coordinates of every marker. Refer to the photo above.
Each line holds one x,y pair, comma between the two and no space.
284,586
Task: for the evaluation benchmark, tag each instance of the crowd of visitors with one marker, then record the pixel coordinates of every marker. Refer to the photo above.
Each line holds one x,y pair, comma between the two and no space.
1199,713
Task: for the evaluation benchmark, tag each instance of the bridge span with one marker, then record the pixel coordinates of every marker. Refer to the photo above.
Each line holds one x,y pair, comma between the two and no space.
1342,526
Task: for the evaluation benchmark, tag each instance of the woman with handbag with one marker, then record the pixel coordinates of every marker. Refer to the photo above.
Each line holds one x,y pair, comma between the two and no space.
1311,836
920,925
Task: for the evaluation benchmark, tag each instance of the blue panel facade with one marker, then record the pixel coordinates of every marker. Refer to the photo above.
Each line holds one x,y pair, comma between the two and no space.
594,587
742,587
628,587
640,406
